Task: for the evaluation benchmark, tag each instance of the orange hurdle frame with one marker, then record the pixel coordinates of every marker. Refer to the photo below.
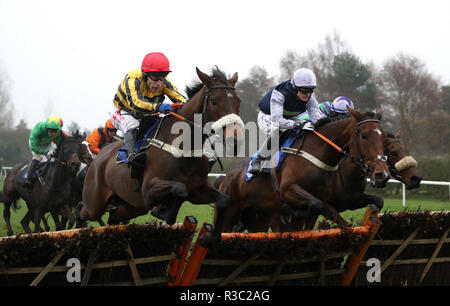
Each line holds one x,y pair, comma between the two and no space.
177,264
369,226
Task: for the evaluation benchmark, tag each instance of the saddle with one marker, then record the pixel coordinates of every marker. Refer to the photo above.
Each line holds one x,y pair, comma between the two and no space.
37,174
142,141
287,138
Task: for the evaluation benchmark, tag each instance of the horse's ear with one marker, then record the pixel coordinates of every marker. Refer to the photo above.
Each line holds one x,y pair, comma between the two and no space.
233,79
398,134
379,113
357,115
206,79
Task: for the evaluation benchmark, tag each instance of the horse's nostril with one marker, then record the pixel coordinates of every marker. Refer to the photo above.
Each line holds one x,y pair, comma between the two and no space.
381,176
417,179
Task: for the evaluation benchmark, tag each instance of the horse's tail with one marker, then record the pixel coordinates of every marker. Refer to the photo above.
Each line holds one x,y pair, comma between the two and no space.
219,181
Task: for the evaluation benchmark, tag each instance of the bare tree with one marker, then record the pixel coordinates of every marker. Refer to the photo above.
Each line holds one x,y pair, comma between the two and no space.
338,71
410,97
251,90
6,107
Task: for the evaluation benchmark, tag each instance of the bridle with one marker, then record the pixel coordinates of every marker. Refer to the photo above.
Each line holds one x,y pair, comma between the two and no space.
361,162
392,169
364,162
60,155
207,97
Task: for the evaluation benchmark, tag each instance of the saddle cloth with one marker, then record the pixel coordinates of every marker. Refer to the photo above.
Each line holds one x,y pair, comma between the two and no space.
39,170
287,138
122,154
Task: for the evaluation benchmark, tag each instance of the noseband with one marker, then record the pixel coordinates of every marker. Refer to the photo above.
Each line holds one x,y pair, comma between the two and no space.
63,162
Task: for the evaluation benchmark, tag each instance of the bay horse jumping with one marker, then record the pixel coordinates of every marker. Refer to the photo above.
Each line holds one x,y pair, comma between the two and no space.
52,192
168,180
350,183
304,187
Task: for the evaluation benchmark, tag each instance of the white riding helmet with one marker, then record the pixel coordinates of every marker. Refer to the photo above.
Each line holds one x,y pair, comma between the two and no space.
340,104
304,77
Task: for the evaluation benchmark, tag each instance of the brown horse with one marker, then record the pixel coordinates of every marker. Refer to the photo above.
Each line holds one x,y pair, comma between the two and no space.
401,164
350,184
168,180
305,188
52,193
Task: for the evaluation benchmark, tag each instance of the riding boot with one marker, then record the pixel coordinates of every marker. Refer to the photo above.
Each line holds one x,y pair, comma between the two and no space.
31,168
130,143
136,162
262,156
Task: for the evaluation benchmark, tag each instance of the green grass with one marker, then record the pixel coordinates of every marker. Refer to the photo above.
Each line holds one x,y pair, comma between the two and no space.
204,213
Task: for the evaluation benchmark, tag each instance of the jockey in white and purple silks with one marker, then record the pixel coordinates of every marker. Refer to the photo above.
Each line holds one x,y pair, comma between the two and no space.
339,105
280,106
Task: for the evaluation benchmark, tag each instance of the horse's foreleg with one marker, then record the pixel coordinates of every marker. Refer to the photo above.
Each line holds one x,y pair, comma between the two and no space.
308,205
46,226
206,195
25,222
331,214
158,191
67,216
300,199
371,199
37,216
55,217
7,217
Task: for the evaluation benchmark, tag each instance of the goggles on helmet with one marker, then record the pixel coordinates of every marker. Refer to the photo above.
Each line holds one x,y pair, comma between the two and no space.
304,90
156,75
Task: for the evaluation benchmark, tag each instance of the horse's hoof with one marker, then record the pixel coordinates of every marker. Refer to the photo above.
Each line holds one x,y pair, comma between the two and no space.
209,240
159,212
316,207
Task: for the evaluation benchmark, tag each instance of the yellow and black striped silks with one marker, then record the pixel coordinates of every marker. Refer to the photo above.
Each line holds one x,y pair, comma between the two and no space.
133,94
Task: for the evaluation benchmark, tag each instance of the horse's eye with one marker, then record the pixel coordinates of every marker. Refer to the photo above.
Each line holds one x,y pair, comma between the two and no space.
213,101
364,136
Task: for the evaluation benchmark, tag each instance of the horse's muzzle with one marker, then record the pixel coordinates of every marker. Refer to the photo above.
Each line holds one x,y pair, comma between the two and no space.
414,182
379,179
75,166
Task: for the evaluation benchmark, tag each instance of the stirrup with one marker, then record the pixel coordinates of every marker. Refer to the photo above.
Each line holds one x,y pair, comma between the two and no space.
254,169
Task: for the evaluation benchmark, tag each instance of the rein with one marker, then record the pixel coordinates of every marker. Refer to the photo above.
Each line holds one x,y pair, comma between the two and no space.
361,161
175,151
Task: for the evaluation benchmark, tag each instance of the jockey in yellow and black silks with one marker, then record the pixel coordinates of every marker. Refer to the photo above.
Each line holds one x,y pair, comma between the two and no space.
143,91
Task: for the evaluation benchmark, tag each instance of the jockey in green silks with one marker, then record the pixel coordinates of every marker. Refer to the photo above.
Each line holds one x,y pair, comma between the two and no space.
43,139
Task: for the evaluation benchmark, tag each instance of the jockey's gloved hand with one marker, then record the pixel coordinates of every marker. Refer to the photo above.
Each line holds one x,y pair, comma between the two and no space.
297,125
308,126
165,108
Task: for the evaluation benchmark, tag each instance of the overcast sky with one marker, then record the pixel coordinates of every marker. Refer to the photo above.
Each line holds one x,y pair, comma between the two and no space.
68,57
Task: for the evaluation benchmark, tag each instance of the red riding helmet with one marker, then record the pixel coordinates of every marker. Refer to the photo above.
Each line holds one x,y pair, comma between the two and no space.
155,61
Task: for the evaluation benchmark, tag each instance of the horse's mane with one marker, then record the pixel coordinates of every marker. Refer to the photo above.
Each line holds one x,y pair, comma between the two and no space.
337,117
333,118
216,74
390,135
